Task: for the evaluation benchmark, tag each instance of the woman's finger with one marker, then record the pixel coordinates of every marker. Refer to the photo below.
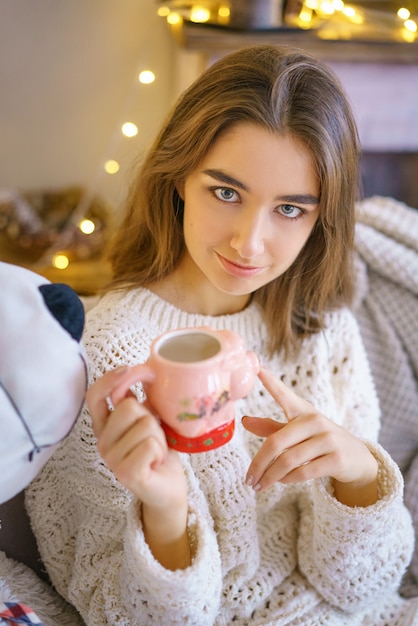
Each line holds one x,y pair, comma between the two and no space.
127,425
291,403
140,451
310,470
261,426
290,445
299,462
111,388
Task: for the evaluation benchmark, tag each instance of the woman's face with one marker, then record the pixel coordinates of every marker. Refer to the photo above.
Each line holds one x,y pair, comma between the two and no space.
248,210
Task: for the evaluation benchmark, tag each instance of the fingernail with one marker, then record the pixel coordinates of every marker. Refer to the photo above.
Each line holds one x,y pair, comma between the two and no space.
257,487
249,481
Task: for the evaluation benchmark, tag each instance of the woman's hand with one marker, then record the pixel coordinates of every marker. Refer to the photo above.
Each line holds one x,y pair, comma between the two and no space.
134,447
309,446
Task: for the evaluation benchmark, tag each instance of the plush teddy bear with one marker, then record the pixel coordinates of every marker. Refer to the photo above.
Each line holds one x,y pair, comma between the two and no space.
43,380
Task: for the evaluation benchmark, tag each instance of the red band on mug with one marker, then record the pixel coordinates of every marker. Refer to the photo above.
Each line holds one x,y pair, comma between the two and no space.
209,441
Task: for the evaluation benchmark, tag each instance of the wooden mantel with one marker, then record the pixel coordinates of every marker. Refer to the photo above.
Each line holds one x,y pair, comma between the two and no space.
217,40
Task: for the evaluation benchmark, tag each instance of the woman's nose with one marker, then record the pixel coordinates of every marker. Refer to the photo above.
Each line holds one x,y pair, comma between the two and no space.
249,234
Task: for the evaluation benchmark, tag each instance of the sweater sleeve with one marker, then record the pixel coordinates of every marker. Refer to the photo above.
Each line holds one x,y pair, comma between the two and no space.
410,583
91,541
190,596
353,556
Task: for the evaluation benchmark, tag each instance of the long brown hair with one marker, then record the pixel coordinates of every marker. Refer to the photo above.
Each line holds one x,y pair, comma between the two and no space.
286,91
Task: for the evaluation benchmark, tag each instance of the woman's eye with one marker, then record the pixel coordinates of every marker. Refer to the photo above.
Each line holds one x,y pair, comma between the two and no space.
226,194
288,210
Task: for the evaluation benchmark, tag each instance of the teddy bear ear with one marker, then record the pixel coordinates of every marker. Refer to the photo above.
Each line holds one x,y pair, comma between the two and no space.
65,306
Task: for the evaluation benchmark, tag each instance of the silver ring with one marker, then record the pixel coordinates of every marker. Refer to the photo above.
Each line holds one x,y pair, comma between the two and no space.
110,404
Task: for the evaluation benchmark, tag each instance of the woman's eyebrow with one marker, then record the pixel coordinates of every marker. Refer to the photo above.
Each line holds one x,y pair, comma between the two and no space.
225,178
299,198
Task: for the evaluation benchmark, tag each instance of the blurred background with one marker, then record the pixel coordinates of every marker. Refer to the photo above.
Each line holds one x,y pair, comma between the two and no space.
86,84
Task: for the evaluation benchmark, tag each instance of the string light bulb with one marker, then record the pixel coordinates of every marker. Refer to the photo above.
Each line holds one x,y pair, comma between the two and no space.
60,261
174,18
411,25
163,11
327,7
305,18
199,14
129,129
87,226
111,166
146,77
224,14
403,13
349,12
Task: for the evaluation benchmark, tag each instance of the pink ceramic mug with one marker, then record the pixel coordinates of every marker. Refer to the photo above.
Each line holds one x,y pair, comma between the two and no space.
197,374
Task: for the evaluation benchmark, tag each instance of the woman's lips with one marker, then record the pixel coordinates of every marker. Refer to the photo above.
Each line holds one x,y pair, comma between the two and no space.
239,271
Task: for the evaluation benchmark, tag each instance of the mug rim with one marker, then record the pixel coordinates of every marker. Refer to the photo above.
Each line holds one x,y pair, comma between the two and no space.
172,335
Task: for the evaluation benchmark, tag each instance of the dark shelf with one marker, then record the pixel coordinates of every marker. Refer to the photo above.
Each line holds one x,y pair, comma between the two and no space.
215,40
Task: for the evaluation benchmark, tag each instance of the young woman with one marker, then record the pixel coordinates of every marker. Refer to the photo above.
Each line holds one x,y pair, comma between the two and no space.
240,218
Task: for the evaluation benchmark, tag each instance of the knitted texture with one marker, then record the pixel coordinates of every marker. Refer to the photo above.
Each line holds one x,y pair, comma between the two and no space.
290,555
387,312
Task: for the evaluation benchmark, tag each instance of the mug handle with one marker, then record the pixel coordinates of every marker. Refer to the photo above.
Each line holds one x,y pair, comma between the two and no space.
243,377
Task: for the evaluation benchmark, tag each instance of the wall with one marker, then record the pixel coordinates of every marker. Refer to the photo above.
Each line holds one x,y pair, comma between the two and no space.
385,101
68,80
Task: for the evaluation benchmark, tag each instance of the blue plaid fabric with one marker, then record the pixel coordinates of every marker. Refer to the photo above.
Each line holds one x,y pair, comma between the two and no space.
17,613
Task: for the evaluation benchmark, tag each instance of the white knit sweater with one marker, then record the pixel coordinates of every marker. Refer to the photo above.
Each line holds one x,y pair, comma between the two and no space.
291,555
